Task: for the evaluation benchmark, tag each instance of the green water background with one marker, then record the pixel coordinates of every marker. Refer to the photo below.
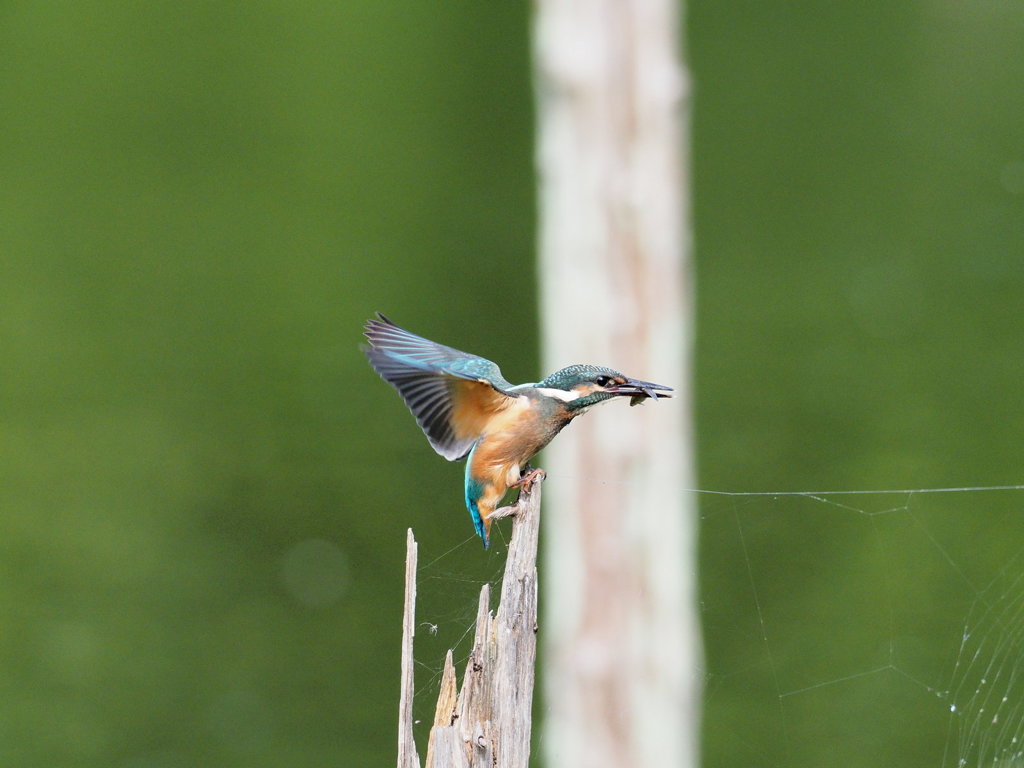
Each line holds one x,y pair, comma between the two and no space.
204,489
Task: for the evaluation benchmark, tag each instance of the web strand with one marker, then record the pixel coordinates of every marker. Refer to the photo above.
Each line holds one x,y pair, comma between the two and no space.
882,492
920,549
855,609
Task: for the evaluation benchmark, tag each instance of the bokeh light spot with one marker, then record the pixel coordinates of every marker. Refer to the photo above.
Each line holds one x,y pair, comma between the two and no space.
316,572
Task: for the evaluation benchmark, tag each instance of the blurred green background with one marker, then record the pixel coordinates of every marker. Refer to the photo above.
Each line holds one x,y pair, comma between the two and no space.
204,489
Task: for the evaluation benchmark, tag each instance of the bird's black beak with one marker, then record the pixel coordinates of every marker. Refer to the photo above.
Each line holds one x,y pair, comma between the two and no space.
638,391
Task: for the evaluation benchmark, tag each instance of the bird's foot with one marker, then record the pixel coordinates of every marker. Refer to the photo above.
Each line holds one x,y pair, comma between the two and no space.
525,484
532,476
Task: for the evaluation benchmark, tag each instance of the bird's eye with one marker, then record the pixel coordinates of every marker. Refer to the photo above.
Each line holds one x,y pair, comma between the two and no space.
603,381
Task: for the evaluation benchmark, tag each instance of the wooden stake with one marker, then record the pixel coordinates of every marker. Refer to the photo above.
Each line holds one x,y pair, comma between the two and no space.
407,757
488,724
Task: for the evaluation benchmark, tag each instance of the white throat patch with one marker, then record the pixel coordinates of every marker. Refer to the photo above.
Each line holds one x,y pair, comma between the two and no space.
559,394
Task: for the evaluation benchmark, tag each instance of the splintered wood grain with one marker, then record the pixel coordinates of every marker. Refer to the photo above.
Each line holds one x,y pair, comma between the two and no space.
407,757
488,723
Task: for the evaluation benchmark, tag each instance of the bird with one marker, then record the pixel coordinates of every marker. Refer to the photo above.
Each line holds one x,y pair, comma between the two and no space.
468,410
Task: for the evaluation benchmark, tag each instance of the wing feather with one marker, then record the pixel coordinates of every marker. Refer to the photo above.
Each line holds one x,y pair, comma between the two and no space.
452,394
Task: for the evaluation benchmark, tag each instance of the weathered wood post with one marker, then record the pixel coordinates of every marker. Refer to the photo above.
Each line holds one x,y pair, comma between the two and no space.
488,723
407,756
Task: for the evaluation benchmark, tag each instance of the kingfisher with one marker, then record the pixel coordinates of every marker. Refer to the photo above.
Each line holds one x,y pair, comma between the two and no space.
468,410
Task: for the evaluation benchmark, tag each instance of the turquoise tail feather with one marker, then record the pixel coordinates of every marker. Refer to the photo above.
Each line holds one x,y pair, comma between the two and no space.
474,490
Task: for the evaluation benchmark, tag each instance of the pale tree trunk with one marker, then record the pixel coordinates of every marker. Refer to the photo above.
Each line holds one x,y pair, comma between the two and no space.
621,638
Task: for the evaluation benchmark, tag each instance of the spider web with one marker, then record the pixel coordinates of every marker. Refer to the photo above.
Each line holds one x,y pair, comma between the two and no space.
448,591
864,628
988,684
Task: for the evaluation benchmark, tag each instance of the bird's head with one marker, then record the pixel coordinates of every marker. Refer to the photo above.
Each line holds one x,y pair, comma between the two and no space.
581,386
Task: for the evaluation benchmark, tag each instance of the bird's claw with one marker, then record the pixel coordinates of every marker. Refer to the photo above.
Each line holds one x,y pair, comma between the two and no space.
526,483
527,480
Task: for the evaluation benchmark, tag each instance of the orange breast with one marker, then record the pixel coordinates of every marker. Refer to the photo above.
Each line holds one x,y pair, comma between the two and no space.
511,438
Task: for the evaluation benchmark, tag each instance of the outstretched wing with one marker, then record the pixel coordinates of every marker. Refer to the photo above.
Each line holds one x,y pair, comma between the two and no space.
452,394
